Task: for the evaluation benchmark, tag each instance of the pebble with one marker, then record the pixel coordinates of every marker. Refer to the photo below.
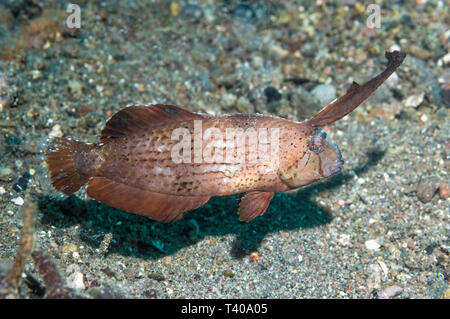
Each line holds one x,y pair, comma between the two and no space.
383,267
69,248
325,93
374,276
18,201
372,244
76,87
5,172
22,183
424,118
56,131
228,99
229,273
344,240
191,12
445,59
75,281
444,189
308,49
390,292
244,13
254,257
414,100
158,276
2,190
175,8
427,187
272,94
445,96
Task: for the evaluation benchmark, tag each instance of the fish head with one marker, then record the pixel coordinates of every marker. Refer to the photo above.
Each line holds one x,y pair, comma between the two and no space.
318,159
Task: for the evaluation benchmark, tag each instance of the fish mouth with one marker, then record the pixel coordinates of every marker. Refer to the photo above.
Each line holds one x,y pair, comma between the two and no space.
334,168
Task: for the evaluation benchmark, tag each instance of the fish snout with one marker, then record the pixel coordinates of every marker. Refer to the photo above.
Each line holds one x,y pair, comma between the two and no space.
333,168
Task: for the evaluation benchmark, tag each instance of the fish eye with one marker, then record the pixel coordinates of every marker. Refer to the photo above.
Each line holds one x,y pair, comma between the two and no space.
316,143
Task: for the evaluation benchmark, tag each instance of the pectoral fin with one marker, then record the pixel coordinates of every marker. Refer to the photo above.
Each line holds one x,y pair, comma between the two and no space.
253,205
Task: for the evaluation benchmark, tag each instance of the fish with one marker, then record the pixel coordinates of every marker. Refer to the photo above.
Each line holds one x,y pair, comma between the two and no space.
162,161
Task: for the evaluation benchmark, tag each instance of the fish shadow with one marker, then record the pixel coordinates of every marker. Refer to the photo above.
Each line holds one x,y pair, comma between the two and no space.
134,235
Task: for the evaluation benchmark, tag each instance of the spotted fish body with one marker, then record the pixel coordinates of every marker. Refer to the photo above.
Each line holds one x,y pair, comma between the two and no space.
144,159
133,167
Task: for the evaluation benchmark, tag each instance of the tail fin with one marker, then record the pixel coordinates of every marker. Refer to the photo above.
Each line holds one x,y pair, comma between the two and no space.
66,159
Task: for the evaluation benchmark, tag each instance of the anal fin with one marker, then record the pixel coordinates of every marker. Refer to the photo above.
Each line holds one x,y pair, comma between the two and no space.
160,207
254,204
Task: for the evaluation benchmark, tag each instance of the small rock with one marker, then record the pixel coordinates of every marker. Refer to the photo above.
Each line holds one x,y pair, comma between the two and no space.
5,172
69,248
424,118
56,131
254,257
229,274
175,8
75,281
445,59
18,201
243,105
308,49
325,93
445,96
282,53
272,94
444,189
75,87
374,276
446,294
157,276
13,140
344,240
192,12
22,183
2,190
244,13
414,100
228,99
427,188
390,292
372,244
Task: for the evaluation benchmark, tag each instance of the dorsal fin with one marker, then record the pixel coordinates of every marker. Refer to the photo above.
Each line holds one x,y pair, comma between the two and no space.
138,118
353,87
356,94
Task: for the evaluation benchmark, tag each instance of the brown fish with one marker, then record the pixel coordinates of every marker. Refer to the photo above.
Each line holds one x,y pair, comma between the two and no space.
162,161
